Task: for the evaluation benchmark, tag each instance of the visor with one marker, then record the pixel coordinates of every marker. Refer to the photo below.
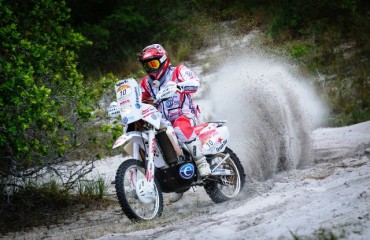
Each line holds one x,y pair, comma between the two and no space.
151,65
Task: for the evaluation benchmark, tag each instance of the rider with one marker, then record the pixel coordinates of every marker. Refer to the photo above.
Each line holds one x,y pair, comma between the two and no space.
180,110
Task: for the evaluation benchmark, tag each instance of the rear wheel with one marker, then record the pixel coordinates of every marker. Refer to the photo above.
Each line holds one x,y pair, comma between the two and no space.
129,174
223,187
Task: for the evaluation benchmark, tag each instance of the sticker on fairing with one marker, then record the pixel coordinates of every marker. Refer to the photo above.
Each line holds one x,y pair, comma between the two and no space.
187,171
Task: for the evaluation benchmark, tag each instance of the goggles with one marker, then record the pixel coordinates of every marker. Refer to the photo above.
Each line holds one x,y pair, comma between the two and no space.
151,65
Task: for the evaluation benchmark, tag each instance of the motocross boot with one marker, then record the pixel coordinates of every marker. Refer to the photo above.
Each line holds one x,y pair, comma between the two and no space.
200,160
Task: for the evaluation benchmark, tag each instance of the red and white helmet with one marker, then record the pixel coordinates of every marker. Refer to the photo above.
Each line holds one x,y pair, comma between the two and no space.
154,60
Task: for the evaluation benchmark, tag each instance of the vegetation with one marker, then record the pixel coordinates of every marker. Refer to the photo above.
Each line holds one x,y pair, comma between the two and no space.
46,118
119,30
46,104
42,93
49,203
60,58
329,38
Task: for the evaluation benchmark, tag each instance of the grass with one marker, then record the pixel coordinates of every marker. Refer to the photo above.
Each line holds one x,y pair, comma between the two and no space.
48,204
344,82
92,189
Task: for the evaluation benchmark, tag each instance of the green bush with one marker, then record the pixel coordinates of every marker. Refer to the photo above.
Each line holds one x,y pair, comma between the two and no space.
298,50
43,97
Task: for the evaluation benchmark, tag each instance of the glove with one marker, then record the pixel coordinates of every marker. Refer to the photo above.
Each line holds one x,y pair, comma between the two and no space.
168,91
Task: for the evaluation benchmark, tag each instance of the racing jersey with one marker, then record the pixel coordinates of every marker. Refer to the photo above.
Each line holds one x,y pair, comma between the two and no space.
181,103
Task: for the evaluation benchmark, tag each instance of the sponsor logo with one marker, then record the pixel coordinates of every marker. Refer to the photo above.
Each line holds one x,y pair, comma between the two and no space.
153,146
126,109
169,102
222,145
149,175
154,116
123,87
124,102
156,83
137,94
121,82
190,88
187,171
124,120
145,111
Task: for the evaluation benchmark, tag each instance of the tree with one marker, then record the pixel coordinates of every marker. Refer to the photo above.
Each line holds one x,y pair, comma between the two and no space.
43,98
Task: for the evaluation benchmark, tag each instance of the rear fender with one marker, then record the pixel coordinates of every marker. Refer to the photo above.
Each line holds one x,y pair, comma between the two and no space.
214,140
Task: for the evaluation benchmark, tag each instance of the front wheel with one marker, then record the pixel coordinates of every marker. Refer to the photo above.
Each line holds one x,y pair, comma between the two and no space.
230,180
129,176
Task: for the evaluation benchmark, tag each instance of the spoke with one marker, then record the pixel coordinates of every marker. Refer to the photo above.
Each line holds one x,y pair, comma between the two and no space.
145,211
227,184
220,162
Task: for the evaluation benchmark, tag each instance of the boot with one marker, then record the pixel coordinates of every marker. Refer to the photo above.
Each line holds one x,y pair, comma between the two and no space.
200,160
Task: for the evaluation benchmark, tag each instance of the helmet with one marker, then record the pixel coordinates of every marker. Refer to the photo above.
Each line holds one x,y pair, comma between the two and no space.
154,60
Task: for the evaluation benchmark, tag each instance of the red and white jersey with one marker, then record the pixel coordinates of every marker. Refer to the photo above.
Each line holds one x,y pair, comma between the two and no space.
181,103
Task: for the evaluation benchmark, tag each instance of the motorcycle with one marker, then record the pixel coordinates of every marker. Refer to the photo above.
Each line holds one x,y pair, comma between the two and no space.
162,164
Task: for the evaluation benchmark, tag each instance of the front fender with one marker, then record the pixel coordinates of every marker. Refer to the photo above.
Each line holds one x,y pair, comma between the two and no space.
134,136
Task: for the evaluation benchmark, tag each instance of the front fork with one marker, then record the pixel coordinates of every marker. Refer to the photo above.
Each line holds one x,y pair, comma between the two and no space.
145,186
150,166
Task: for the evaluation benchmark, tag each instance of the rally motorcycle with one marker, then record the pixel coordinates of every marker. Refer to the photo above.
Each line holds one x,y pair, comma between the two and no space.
162,164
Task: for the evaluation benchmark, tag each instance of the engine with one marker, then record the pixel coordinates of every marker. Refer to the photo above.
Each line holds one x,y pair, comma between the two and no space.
181,172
